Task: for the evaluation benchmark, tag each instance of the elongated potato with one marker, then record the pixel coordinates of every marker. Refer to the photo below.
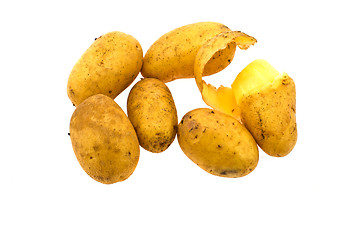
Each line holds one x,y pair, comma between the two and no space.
172,55
107,67
103,139
152,112
217,143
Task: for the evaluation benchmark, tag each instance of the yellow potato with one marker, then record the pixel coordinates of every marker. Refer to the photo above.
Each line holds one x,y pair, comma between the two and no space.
107,67
152,112
172,55
103,139
217,143
267,103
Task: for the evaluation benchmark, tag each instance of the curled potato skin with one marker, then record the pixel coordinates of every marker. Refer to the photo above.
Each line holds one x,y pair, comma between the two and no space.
217,143
221,98
172,55
103,140
107,67
152,111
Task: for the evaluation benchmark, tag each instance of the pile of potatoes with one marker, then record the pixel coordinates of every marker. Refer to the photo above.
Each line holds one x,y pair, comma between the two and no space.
257,110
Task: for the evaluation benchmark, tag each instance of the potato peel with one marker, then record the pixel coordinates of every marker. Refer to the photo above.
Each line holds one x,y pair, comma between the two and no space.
221,98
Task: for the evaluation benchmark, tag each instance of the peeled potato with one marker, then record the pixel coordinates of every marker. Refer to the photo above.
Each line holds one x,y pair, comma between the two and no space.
267,104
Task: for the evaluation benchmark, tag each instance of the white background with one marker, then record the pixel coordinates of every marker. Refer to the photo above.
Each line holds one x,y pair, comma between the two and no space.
313,193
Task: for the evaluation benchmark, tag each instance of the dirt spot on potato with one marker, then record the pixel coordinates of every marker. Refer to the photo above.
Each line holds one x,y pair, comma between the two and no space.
227,172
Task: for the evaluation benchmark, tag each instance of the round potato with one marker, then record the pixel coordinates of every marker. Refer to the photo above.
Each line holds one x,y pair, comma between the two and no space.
107,67
103,139
172,56
152,112
217,143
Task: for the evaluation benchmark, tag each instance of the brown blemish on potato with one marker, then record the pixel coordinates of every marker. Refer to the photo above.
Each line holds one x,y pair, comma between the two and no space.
99,178
97,38
231,171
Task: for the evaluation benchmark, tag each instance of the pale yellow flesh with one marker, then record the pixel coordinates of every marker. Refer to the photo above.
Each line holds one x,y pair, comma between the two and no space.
256,76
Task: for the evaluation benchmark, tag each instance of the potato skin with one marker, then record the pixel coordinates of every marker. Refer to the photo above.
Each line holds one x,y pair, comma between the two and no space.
270,117
172,56
104,140
151,109
107,67
217,143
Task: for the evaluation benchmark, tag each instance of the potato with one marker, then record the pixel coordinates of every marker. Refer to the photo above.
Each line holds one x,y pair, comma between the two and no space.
217,143
267,103
107,67
152,112
103,139
172,55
